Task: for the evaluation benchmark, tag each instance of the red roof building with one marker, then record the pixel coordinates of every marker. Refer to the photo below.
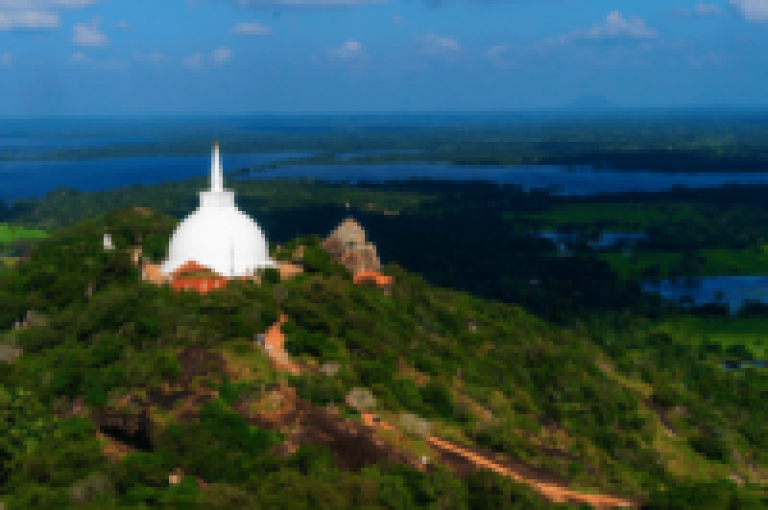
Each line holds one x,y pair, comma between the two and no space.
202,286
379,279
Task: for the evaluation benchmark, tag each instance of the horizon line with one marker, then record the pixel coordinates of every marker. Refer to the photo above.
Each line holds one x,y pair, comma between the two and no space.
563,110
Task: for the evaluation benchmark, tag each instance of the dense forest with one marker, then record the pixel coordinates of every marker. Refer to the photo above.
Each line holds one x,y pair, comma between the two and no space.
632,411
599,425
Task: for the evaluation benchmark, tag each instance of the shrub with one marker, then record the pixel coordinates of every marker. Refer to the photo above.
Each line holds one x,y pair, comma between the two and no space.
439,399
710,447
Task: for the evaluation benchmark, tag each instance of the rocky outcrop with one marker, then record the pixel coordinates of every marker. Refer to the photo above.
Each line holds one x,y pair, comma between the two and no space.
348,246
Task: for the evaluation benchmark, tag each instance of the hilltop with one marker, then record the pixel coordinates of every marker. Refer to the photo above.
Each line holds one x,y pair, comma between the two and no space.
117,389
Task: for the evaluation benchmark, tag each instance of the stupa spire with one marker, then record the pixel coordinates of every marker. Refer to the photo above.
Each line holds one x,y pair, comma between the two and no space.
217,177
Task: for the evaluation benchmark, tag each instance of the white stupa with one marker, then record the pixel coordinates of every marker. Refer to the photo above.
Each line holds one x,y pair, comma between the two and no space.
218,235
108,242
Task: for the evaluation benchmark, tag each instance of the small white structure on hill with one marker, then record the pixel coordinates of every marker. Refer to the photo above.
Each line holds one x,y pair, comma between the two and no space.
108,242
218,235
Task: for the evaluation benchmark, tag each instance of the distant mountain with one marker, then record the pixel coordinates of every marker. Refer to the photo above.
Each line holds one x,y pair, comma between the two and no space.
590,103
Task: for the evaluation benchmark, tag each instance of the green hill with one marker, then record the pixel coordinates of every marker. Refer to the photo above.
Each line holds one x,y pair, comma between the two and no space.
174,380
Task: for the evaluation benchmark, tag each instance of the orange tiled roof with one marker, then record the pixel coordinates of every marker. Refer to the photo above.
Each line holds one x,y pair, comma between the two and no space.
189,267
379,278
153,274
288,271
201,286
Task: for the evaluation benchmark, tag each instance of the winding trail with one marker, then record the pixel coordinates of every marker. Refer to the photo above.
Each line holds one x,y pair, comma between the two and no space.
274,340
273,346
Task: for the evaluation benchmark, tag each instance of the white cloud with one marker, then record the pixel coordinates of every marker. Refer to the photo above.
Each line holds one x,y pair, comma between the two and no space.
222,54
613,27
704,9
432,43
45,4
348,50
397,19
154,57
111,64
699,11
252,28
36,13
28,19
616,26
198,60
195,61
6,59
89,35
752,10
123,25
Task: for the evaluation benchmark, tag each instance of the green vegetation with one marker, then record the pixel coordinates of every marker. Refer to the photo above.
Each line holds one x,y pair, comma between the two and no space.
9,233
617,377
737,338
570,370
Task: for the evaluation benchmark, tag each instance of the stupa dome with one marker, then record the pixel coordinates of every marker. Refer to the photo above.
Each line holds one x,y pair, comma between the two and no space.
218,235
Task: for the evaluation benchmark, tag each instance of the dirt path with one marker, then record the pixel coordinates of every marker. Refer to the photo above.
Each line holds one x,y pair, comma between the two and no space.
552,492
273,345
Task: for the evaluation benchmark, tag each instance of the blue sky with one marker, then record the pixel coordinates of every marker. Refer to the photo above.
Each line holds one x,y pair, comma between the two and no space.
105,57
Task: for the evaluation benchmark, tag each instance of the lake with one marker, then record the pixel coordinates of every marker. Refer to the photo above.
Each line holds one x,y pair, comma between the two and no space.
34,179
736,365
736,289
607,238
372,152
559,178
26,145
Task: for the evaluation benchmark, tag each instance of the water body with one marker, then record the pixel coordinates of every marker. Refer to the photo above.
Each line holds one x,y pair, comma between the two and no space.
344,156
735,289
34,179
52,144
607,238
730,366
560,179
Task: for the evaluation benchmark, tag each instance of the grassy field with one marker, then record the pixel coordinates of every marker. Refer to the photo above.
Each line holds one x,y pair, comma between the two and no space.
8,261
717,262
630,268
751,332
8,233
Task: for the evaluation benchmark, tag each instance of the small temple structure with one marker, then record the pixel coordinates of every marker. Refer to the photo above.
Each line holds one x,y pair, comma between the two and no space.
348,246
217,235
214,244
218,243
